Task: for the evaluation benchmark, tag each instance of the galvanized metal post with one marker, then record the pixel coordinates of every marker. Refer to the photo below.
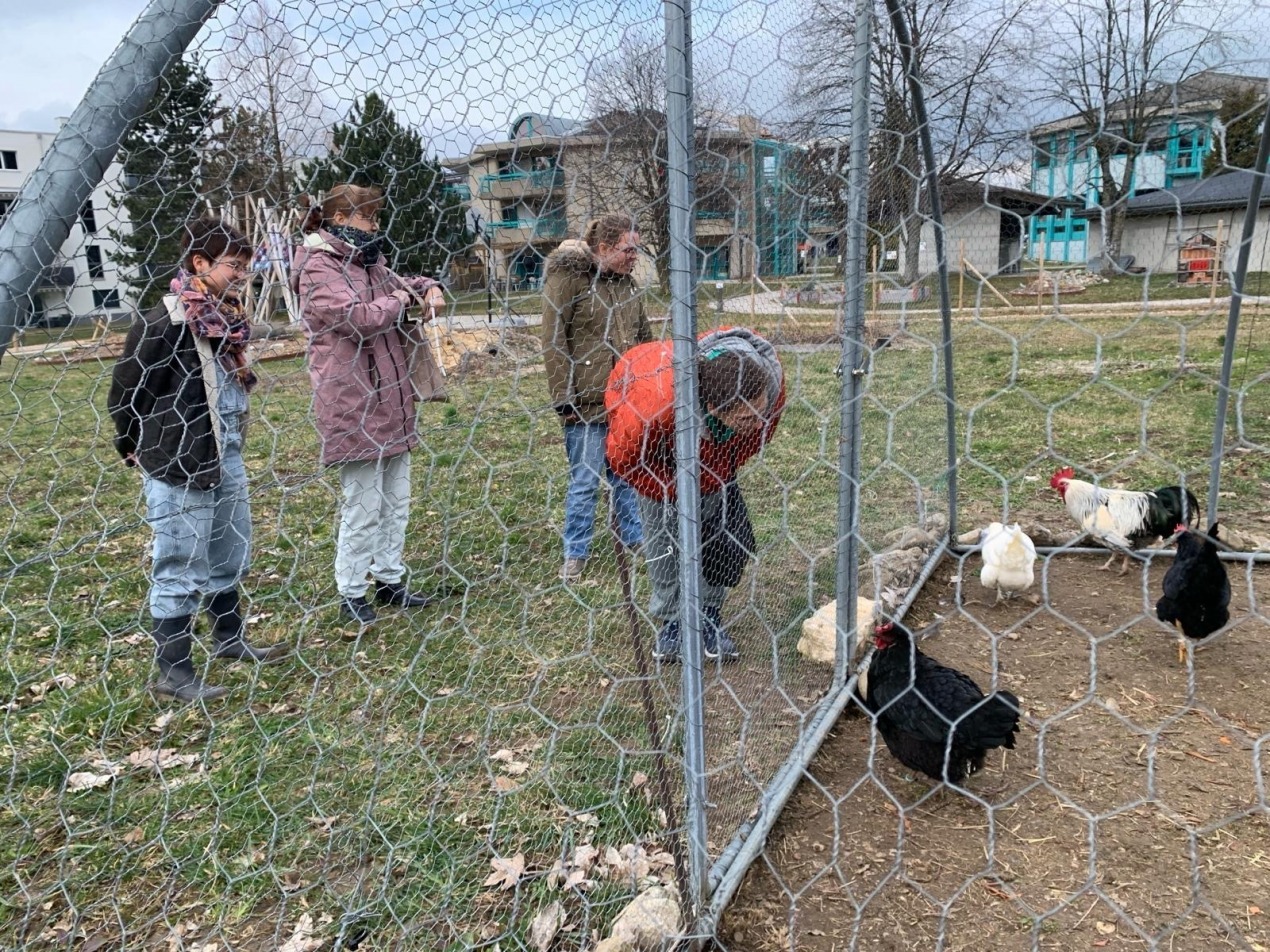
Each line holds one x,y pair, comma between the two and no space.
853,348
1237,279
683,310
44,211
905,40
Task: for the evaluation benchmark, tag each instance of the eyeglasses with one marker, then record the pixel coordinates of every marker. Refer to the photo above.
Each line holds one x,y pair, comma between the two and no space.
627,251
235,265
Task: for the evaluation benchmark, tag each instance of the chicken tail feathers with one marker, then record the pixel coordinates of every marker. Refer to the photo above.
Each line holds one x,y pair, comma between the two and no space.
992,724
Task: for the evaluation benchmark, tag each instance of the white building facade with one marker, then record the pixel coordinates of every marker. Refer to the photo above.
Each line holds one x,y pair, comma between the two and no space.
84,281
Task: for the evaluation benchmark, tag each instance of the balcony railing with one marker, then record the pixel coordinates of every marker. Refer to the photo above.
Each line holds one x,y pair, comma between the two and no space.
462,192
538,179
532,227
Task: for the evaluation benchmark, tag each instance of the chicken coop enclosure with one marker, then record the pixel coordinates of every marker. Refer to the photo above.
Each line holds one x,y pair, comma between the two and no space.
510,767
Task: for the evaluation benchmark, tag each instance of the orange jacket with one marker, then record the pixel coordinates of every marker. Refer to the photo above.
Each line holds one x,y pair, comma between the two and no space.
640,400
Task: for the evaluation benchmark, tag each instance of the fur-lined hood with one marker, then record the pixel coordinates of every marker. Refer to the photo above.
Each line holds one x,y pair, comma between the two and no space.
572,254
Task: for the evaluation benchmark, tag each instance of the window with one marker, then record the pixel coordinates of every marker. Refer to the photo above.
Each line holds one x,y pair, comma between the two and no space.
5,205
8,160
96,269
109,300
88,217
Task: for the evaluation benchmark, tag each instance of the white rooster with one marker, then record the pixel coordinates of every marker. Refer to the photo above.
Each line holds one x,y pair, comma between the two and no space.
1008,557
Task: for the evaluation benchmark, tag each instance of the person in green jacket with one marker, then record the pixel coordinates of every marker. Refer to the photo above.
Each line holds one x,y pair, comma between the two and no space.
593,312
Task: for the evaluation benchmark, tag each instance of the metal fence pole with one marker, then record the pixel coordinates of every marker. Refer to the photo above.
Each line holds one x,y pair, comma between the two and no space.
1232,321
848,580
683,310
41,218
907,53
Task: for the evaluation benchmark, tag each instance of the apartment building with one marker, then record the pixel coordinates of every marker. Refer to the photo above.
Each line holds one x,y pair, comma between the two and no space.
1065,162
551,175
84,280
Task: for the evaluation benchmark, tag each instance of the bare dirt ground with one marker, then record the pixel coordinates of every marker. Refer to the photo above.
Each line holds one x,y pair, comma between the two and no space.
1134,813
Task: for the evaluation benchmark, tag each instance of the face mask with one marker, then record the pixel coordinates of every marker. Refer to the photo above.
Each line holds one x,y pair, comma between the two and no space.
369,243
718,429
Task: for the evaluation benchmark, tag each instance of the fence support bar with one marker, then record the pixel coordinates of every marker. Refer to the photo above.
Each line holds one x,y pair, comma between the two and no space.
1232,321
897,9
1093,550
683,309
853,330
727,872
37,225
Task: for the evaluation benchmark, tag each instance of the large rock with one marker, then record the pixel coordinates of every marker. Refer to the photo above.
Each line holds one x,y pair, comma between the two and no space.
651,921
819,640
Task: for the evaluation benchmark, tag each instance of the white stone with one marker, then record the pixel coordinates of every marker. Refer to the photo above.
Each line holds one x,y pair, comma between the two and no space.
819,640
651,921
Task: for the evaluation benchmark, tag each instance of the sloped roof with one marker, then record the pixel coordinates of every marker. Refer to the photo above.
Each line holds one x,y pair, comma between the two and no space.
965,191
1228,190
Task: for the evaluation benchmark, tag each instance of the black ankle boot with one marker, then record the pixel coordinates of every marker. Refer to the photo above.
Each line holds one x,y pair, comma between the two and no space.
177,678
358,610
229,629
396,593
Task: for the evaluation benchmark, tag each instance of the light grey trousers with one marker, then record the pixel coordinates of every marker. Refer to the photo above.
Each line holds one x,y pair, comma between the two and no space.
372,523
661,555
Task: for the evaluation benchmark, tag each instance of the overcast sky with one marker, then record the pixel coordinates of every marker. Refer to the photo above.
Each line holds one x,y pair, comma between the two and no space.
459,69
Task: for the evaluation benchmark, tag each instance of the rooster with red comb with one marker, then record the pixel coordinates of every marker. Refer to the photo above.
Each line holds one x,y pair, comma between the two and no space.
1125,519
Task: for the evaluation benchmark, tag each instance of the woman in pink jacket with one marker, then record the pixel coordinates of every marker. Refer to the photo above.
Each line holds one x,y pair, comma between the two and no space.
370,364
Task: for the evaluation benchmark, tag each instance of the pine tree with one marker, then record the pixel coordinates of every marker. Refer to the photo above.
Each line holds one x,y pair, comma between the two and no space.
160,157
426,223
1241,115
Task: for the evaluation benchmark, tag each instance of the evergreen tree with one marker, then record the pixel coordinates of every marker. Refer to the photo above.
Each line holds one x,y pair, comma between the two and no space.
426,223
160,157
1241,115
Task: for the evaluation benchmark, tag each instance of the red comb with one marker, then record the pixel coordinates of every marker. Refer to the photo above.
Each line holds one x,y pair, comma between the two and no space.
883,628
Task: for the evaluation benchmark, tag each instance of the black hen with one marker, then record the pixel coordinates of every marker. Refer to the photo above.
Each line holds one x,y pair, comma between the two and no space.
916,712
1196,589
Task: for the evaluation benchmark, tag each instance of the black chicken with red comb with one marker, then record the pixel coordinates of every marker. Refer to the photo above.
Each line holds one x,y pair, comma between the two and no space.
934,719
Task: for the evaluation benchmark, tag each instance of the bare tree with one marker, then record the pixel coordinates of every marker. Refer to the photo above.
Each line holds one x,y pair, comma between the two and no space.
625,141
1123,68
967,55
265,76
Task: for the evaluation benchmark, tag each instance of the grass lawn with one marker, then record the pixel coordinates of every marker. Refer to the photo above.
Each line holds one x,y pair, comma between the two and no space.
378,779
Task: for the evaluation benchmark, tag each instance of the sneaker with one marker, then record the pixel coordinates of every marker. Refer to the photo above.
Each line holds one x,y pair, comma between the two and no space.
718,643
572,569
667,647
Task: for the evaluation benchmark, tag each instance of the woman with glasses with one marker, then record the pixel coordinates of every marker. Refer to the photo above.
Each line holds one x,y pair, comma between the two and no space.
593,312
366,354
178,398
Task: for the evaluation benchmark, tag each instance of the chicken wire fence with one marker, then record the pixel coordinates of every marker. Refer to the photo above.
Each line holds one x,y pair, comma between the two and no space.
508,767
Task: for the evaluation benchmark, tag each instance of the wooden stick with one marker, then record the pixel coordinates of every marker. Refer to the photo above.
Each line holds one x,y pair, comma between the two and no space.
877,276
1212,294
978,274
1040,278
961,274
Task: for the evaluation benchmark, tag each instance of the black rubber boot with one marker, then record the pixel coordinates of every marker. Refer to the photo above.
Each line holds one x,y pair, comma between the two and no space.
177,678
229,628
358,610
396,593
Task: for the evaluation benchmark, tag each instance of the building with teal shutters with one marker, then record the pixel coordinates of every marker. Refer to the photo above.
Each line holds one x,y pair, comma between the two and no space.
1065,163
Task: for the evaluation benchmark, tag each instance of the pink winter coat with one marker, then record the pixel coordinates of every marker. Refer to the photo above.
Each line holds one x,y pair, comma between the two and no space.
359,354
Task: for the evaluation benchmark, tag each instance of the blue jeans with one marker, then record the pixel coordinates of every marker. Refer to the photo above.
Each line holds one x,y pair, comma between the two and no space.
584,445
202,537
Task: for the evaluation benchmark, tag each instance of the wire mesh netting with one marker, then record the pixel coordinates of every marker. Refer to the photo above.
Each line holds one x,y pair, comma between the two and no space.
357,329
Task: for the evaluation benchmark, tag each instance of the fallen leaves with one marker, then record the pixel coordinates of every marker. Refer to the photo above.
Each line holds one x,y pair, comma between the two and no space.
87,780
154,759
302,937
542,931
507,872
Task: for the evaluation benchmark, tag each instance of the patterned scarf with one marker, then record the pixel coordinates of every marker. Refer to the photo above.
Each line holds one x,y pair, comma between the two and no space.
217,319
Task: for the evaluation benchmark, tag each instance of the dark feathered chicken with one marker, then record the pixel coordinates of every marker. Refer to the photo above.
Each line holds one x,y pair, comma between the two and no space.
1196,588
920,707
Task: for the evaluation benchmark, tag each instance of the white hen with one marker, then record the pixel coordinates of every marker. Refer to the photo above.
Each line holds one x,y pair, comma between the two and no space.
1008,557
